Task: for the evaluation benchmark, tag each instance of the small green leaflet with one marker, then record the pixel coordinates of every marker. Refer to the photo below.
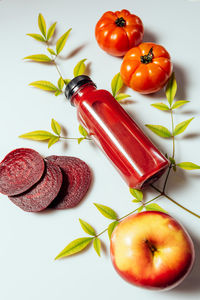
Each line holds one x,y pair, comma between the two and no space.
38,135
60,83
154,207
136,201
74,247
62,41
97,246
159,130
188,166
44,85
106,211
160,106
51,31
37,37
181,127
55,127
87,228
111,227
39,57
66,81
116,84
171,89
82,131
80,140
121,96
51,51
136,193
58,92
79,68
179,103
172,160
52,141
42,25
140,209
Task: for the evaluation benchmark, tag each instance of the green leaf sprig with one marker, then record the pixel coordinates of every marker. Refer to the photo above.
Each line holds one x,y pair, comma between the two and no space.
43,135
45,36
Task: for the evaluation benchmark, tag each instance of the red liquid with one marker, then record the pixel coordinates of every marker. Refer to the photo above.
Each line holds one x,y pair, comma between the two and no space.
131,152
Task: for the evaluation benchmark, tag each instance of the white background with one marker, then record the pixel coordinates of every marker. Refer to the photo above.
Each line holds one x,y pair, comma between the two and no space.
29,242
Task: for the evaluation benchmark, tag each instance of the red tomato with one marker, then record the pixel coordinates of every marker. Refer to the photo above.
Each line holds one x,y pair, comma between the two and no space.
117,32
146,68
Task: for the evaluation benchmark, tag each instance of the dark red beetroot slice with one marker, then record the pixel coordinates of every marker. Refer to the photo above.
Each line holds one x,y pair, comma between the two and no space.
43,192
76,181
20,170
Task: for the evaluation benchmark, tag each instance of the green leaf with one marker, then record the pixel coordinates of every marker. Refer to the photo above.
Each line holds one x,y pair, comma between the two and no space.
140,209
75,247
154,207
179,103
39,57
55,127
136,201
62,41
80,140
181,127
121,96
51,51
159,130
52,141
116,84
136,193
171,89
60,83
87,227
79,68
58,92
44,85
66,81
38,135
106,211
172,160
97,246
82,131
42,24
188,166
160,106
36,36
111,227
51,31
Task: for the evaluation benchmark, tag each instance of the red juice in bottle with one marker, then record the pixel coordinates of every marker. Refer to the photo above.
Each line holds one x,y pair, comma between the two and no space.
131,152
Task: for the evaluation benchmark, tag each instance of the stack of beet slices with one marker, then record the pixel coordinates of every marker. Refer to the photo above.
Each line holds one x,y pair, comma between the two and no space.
34,183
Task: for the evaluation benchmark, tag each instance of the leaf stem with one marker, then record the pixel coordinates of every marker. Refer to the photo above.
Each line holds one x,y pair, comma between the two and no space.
54,62
69,138
175,202
173,139
158,196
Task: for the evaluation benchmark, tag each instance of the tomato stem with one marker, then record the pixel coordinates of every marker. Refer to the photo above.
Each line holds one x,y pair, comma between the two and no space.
146,59
120,22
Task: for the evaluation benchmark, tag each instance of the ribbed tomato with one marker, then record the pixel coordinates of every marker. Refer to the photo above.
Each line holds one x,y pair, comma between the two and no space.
146,68
117,32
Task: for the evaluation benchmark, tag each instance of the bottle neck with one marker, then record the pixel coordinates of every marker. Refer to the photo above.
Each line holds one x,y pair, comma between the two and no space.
81,92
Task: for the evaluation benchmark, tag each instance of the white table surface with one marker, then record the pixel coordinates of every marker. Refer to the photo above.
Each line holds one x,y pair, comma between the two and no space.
30,241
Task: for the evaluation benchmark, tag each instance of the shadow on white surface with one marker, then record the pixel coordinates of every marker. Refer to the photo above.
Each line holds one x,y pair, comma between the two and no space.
191,285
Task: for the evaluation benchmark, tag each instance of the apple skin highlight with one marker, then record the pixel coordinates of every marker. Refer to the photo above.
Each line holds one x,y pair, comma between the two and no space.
152,250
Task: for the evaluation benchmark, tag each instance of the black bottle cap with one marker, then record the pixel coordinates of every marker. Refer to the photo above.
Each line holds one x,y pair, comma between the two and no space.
75,84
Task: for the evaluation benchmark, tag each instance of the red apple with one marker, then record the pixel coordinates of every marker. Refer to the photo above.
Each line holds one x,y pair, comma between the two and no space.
152,250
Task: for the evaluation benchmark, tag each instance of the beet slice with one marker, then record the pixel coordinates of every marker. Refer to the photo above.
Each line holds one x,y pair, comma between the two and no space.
19,170
42,193
76,181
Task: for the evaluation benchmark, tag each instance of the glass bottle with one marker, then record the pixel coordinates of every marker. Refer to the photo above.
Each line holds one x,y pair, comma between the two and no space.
131,152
